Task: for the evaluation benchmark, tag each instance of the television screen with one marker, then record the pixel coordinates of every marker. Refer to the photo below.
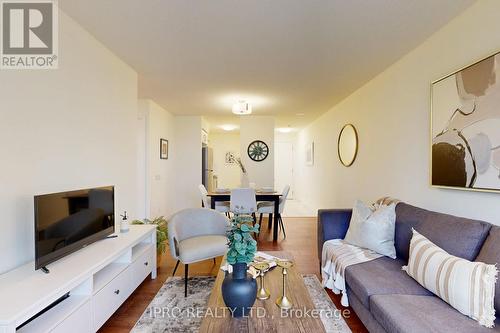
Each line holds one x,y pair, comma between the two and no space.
68,221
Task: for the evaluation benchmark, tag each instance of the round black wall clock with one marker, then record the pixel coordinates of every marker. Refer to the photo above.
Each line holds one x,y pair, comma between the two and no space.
258,150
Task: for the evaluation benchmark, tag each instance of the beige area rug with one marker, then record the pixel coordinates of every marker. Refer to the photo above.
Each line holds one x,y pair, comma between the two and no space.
170,311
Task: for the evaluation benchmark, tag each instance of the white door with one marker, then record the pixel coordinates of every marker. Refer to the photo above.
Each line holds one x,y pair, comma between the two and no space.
283,166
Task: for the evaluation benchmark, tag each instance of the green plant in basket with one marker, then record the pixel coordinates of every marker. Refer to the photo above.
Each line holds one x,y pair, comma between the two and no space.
161,231
242,246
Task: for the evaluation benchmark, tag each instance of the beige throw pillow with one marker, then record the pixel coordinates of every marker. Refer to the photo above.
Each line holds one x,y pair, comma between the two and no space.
373,228
467,286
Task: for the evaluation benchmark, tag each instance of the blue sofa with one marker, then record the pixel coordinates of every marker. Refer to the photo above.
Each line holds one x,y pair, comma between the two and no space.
385,298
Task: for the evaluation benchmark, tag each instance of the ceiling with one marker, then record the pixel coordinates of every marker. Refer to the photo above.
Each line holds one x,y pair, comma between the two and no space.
293,59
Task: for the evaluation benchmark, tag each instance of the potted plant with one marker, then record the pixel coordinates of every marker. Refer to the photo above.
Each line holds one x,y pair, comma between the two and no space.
238,289
161,234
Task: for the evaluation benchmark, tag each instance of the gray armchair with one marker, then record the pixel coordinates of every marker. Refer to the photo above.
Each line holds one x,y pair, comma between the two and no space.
195,235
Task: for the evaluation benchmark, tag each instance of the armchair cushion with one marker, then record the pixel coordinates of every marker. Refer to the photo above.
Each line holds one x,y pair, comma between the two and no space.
201,248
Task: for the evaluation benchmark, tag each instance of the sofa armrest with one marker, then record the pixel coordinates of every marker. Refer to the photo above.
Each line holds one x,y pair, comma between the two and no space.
332,224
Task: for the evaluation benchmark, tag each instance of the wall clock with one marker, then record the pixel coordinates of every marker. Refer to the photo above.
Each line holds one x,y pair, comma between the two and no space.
258,150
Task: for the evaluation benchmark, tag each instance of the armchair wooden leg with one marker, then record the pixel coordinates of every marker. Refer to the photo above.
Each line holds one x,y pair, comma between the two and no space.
270,222
176,265
186,280
260,218
214,261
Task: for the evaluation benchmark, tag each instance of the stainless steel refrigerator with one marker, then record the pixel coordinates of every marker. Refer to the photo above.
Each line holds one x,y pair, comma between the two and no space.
207,168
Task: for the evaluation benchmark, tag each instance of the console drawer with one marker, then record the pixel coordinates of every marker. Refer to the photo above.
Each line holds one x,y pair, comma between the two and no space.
77,322
109,298
142,267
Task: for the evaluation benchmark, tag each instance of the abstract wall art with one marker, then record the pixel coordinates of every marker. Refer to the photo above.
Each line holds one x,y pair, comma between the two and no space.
465,127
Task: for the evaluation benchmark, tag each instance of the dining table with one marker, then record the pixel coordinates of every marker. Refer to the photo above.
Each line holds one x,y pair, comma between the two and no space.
270,196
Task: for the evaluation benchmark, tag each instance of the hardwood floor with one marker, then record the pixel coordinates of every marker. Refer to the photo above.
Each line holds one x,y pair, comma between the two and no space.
300,242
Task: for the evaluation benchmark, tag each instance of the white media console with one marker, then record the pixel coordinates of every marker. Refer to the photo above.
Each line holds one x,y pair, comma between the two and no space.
98,279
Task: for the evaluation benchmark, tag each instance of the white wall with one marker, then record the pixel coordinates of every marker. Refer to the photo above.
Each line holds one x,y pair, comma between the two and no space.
187,154
70,128
284,161
392,115
258,128
228,174
159,173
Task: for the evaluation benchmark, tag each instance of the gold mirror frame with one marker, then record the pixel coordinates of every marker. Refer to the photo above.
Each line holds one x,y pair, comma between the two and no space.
348,163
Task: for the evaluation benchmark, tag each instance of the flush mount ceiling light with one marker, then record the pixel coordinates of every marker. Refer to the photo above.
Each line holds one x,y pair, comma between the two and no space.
242,108
284,129
228,127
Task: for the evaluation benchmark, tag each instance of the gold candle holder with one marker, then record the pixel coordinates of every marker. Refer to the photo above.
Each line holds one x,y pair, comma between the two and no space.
284,302
263,293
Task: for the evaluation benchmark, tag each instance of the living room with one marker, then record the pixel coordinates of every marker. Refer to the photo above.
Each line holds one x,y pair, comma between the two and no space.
329,113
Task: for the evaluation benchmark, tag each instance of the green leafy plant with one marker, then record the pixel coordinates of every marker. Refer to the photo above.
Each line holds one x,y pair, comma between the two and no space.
242,246
161,231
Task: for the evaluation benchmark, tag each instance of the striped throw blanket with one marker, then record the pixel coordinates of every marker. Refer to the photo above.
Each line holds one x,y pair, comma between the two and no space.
337,255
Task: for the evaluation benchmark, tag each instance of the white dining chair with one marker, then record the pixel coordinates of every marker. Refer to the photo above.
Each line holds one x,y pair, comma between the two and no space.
267,207
243,202
220,206
197,234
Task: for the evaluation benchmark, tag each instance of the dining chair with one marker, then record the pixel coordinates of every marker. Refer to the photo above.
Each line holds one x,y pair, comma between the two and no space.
196,234
243,202
267,207
220,206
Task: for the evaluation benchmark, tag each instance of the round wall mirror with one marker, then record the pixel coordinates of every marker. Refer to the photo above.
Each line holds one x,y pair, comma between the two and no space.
348,145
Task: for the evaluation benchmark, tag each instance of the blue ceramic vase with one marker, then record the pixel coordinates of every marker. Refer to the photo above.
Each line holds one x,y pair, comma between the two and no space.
239,291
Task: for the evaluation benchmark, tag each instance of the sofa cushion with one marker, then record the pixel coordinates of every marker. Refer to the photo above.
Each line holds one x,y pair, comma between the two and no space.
422,314
381,276
373,228
467,286
490,254
458,236
364,314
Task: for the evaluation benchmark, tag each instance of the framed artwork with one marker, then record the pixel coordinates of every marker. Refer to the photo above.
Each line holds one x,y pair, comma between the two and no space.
310,154
465,127
163,149
230,157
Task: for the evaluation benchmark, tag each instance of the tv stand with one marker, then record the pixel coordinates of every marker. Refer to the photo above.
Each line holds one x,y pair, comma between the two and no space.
33,301
45,270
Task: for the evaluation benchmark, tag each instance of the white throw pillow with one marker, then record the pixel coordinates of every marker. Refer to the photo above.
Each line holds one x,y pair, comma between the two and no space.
467,286
373,228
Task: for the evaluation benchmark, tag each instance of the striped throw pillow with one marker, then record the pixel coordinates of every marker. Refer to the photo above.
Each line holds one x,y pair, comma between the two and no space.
467,286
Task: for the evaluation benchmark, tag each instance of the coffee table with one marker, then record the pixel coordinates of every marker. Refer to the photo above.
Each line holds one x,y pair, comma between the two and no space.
220,319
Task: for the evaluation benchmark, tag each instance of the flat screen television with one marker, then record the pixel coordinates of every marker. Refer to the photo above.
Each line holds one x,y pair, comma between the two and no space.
68,221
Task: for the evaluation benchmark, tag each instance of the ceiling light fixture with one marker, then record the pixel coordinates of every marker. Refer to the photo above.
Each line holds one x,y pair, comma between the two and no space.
228,127
285,129
242,108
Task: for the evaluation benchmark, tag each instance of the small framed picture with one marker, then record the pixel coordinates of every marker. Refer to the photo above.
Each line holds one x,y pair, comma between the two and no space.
310,154
163,149
230,157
